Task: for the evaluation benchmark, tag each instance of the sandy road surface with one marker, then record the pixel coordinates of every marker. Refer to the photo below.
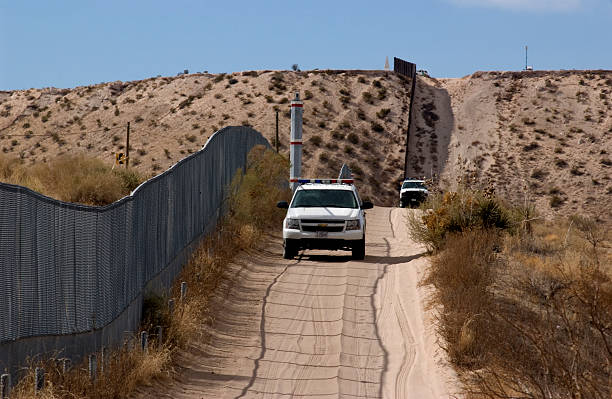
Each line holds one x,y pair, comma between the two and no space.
322,326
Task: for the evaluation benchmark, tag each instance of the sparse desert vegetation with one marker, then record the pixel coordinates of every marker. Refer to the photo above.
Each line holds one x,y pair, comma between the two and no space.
534,131
525,305
519,120
172,117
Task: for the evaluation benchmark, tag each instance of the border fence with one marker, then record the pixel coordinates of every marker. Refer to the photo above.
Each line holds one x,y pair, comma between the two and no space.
407,69
72,277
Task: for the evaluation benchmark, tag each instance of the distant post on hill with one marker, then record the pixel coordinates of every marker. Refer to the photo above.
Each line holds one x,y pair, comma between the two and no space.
127,147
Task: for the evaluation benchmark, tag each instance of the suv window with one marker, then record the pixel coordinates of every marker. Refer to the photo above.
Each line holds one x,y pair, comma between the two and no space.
413,184
324,198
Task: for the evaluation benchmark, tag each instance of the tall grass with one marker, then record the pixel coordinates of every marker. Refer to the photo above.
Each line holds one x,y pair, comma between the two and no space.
72,178
528,314
250,212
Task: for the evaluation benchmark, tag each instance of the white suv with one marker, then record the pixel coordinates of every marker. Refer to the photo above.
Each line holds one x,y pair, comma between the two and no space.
412,193
325,214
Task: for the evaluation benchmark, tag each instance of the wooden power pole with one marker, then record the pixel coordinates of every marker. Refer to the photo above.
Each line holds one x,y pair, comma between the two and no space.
127,147
276,140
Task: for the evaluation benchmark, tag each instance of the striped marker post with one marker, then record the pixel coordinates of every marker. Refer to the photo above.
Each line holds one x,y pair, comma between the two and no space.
295,155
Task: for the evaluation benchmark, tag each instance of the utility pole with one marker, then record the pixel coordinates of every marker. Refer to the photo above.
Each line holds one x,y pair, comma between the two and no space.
276,140
526,64
127,147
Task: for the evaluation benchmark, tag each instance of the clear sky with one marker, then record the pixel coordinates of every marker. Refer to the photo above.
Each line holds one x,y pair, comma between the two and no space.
67,43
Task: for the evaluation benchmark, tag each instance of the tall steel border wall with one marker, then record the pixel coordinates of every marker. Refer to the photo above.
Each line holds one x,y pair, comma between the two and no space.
73,277
407,69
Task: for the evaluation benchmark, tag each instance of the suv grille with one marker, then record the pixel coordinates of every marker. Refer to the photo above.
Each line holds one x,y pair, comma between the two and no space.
333,225
325,221
333,229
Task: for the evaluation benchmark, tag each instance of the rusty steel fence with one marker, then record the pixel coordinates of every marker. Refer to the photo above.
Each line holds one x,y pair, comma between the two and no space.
409,70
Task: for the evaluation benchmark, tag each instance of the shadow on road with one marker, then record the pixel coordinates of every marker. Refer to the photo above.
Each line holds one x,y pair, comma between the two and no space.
388,260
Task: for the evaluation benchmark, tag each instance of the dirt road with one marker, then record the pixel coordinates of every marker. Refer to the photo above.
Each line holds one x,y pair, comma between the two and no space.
322,326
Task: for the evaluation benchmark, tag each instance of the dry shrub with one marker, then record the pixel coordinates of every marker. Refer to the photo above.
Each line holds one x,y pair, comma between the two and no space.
456,212
529,315
72,178
251,203
255,193
462,275
123,371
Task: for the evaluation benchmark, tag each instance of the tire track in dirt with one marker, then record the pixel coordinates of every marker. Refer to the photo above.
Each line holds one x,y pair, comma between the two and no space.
324,326
409,352
263,335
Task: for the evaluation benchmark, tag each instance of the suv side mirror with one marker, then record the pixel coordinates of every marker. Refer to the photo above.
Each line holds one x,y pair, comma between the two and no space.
282,205
367,205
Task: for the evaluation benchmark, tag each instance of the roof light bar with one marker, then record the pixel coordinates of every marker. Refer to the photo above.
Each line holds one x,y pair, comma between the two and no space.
326,181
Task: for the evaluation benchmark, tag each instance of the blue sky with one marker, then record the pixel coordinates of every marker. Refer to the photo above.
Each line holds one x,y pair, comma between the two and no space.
67,43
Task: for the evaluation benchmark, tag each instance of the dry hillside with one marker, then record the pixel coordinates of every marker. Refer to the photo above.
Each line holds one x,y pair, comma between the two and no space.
541,136
357,117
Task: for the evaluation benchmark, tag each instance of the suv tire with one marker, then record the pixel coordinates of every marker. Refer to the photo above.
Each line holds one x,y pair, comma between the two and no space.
401,204
358,250
289,250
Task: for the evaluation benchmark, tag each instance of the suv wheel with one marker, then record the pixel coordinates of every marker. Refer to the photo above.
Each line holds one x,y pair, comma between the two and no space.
359,250
401,204
289,249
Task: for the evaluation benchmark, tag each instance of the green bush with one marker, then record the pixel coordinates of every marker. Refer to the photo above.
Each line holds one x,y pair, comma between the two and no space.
457,212
353,138
377,127
382,114
315,140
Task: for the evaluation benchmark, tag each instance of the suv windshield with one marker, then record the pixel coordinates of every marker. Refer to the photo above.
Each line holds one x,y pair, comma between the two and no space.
414,184
324,198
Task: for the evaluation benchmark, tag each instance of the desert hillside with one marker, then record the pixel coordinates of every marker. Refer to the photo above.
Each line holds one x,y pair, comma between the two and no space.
358,117
537,136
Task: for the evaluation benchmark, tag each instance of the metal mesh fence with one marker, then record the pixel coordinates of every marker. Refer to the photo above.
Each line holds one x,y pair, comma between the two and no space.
68,268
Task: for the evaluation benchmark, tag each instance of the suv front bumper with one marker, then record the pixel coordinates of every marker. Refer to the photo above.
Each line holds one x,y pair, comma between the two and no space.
314,240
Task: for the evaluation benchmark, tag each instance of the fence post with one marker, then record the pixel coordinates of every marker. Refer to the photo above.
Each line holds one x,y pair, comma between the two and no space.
93,365
65,365
171,305
160,336
183,290
5,386
103,356
144,337
39,379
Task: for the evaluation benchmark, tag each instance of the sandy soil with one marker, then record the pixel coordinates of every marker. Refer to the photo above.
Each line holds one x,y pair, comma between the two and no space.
322,326
542,138
358,117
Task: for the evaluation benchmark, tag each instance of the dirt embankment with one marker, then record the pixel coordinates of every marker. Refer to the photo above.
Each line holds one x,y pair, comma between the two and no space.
541,136
358,117
321,326
544,137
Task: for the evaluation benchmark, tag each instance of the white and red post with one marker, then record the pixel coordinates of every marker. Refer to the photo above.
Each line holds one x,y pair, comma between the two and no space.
295,155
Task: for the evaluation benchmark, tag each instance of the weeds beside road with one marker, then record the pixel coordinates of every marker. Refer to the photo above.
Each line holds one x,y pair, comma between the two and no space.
250,212
526,306
72,178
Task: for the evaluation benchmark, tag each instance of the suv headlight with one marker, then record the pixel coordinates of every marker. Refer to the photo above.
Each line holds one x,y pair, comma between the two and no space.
292,224
353,224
